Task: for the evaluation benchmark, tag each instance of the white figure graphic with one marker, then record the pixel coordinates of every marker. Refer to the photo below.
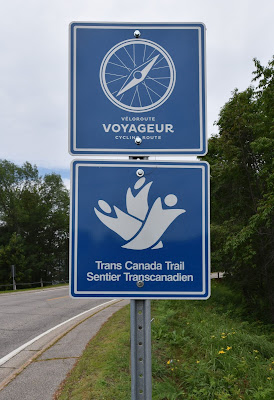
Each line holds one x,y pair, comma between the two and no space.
141,227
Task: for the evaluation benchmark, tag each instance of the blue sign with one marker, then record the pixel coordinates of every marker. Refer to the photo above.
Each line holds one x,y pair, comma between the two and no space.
140,230
144,81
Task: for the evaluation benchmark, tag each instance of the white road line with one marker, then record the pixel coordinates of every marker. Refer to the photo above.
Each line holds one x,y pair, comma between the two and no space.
3,360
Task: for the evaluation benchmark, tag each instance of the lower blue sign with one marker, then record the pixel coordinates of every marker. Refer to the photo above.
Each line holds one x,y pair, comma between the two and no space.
140,230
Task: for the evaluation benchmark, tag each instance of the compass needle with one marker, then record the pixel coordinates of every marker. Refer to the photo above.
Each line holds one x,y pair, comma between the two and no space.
142,84
139,74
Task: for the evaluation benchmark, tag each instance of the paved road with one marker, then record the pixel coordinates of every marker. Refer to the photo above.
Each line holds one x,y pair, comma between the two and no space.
37,372
25,315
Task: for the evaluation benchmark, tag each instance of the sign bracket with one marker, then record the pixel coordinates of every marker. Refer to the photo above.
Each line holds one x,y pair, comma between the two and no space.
138,158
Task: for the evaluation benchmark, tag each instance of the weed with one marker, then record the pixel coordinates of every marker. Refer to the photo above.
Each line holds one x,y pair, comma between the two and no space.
200,350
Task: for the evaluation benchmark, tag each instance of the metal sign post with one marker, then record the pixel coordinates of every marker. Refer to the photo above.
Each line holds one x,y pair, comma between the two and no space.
140,334
13,277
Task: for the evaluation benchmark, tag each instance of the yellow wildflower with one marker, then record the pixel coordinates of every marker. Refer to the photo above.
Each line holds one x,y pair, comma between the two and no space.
168,362
221,352
197,361
229,348
256,351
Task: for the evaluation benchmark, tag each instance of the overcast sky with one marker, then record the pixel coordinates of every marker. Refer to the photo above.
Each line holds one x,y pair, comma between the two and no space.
34,61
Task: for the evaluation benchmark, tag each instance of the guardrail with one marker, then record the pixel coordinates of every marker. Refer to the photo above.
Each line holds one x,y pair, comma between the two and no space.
41,283
217,275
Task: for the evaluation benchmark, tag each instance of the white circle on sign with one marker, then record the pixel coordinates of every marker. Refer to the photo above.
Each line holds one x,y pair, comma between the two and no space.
137,75
170,200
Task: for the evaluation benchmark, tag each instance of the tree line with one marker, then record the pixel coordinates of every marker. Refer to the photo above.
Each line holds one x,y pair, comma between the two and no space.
242,195
34,211
34,224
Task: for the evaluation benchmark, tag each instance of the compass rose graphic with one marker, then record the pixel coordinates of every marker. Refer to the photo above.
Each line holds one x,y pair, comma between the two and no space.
137,75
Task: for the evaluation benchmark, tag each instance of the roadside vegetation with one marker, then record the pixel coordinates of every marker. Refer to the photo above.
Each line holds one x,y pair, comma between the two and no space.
206,350
34,224
242,192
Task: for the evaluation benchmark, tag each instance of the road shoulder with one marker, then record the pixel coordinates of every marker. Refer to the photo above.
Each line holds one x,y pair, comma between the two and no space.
47,365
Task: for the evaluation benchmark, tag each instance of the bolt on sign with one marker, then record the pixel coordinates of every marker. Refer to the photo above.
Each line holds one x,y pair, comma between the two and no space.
137,88
140,230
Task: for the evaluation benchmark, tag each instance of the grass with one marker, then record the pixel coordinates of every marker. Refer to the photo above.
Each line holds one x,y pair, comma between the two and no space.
103,371
201,350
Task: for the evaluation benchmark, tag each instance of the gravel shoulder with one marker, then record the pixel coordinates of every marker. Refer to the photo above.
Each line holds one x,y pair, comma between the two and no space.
37,372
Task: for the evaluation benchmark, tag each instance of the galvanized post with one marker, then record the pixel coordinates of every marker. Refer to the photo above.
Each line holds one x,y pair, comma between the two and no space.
13,277
140,327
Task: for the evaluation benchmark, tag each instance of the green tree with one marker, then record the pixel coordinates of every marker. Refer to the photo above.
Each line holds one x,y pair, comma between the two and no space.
13,254
242,196
54,238
34,217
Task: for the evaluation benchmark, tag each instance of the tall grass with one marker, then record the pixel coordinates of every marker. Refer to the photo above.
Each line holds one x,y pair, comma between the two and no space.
201,350
205,350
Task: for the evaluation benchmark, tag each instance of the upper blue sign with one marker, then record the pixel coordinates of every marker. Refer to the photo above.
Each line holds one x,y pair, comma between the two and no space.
139,230
144,81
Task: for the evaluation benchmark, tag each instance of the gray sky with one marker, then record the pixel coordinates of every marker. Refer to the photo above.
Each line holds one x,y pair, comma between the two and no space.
34,61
